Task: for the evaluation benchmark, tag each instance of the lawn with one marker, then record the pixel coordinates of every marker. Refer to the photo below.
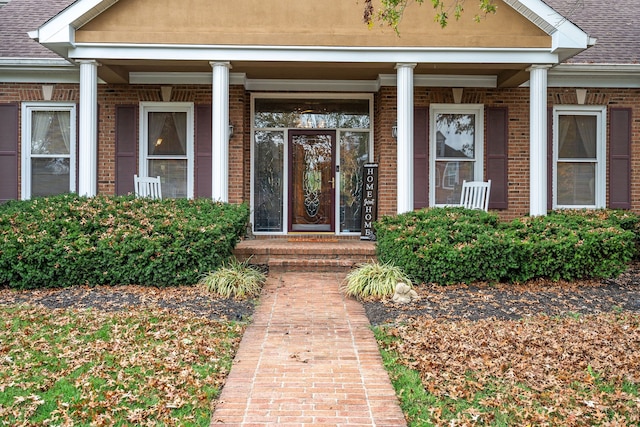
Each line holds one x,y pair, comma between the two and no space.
569,370
141,366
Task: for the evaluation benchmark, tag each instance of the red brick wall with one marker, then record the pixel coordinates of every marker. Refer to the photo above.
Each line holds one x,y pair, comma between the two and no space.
516,100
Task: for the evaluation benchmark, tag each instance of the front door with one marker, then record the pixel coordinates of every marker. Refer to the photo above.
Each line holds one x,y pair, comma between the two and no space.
312,180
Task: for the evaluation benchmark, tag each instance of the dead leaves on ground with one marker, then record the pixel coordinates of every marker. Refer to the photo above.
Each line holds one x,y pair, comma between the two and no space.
90,367
562,370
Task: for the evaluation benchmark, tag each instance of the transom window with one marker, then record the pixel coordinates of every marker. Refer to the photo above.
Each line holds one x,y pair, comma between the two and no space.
579,157
166,146
456,146
49,149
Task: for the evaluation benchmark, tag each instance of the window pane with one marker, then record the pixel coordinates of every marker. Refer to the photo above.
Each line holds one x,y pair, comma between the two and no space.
167,134
449,177
577,137
268,184
49,176
50,132
576,184
354,153
173,174
455,136
312,114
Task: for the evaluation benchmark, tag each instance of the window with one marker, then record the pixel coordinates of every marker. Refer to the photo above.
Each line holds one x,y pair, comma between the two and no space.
166,146
456,137
48,149
579,169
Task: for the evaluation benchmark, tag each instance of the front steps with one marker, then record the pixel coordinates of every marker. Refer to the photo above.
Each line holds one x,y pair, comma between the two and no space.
306,253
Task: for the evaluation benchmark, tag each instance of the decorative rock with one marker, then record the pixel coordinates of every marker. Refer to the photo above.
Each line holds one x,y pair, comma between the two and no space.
404,294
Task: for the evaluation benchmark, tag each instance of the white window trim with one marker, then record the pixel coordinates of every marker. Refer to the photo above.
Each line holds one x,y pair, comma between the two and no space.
285,183
601,152
168,107
478,111
27,109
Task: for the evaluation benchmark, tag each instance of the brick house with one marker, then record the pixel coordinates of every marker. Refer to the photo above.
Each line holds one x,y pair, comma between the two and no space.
279,104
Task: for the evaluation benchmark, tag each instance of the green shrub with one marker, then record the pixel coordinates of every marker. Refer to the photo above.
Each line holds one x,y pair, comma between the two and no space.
374,280
234,279
452,245
69,240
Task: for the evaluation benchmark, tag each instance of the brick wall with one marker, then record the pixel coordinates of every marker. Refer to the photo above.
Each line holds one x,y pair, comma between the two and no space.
516,100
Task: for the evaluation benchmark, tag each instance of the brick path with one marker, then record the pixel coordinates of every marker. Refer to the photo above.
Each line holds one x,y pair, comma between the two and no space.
308,359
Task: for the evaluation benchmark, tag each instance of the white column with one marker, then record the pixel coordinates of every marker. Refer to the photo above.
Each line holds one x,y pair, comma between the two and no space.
220,131
88,129
538,140
405,137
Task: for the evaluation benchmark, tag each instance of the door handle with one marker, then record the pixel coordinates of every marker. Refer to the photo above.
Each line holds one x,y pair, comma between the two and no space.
333,183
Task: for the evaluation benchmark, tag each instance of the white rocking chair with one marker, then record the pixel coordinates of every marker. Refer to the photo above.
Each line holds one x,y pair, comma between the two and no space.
475,195
146,186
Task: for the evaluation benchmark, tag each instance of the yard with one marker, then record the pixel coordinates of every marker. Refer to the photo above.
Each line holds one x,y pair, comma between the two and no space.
537,354
114,355
502,355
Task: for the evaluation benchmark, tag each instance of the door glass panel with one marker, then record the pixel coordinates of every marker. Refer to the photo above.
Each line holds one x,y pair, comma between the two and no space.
173,175
311,186
354,153
268,181
449,177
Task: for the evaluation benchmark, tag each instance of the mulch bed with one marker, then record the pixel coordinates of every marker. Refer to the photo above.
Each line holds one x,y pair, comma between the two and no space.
188,299
471,302
515,301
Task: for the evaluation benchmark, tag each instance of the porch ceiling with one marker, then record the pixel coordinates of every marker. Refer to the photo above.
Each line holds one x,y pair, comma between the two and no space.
117,71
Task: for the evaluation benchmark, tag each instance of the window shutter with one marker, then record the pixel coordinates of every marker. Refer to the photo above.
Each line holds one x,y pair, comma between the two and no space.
126,139
203,160
8,152
498,156
549,159
620,158
420,158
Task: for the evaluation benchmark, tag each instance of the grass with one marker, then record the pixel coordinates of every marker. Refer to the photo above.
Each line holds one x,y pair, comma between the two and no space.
89,367
570,371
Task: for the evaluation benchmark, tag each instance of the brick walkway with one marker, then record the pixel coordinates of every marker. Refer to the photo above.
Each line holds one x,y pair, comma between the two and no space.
308,359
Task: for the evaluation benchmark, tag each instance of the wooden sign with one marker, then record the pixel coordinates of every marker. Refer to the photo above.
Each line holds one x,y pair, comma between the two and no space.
369,200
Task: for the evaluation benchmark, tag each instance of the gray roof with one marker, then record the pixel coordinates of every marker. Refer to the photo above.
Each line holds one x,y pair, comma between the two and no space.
20,16
614,23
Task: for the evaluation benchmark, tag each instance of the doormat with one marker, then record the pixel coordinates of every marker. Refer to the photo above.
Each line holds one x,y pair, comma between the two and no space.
313,239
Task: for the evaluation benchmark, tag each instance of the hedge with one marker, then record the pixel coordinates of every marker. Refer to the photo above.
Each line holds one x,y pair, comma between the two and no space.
456,245
112,240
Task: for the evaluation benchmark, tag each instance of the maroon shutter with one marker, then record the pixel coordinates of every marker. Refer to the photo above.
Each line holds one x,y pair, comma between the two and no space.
549,159
420,157
620,158
8,152
203,159
498,156
126,138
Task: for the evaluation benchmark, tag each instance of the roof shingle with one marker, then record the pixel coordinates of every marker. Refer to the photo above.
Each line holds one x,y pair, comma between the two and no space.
613,23
20,16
